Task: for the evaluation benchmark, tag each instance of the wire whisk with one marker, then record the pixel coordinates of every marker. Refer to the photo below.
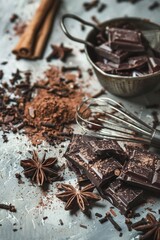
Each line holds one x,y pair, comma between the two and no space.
106,118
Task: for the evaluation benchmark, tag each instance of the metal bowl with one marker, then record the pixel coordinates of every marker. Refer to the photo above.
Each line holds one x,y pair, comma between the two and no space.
124,86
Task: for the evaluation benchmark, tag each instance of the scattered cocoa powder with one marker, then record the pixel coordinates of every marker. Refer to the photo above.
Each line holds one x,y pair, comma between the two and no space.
50,112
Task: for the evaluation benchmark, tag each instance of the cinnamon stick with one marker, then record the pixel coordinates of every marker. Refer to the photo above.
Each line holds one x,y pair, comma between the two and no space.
33,41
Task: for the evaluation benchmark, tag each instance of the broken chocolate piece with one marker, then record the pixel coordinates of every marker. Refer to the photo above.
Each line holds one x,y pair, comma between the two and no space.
127,40
142,169
122,196
116,56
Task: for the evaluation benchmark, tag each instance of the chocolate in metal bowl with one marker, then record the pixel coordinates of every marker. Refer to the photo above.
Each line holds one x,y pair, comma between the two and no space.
124,86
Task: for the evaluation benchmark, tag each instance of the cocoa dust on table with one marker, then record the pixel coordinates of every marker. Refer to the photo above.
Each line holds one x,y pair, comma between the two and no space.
49,114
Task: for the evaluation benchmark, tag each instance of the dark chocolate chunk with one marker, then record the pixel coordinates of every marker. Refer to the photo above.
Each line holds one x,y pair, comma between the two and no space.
99,173
142,169
122,196
106,148
116,56
125,39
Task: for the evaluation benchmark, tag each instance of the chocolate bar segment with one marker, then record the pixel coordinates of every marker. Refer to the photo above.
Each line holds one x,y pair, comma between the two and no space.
116,56
128,40
122,196
142,169
106,148
101,172
96,147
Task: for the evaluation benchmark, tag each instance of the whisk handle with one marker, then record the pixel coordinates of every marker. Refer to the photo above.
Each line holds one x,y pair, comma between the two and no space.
155,140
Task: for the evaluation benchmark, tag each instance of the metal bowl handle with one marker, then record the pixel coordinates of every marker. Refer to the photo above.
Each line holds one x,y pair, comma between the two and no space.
64,28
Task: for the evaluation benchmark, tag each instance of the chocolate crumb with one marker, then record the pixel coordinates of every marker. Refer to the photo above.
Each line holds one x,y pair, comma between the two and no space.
121,234
5,138
102,7
83,28
103,220
114,223
98,215
83,226
82,50
61,222
44,218
15,230
154,5
89,5
19,177
90,71
4,63
13,18
1,74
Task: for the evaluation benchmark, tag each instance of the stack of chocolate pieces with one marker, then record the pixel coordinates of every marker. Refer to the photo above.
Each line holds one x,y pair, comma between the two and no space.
105,164
126,52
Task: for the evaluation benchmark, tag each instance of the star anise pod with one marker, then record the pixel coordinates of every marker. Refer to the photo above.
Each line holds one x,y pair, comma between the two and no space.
40,171
77,197
149,226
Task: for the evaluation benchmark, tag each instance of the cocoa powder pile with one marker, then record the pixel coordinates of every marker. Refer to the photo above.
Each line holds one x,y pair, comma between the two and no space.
48,115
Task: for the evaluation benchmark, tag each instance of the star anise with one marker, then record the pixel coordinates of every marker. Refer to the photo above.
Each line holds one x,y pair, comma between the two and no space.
40,171
149,226
77,197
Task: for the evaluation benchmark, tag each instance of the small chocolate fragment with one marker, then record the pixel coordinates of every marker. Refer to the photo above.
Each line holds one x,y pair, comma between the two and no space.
142,169
102,7
98,215
122,196
103,220
89,5
83,226
1,74
14,17
9,207
114,223
116,56
154,5
127,40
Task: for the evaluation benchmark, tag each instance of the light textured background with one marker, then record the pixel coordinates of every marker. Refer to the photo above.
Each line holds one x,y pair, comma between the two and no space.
26,197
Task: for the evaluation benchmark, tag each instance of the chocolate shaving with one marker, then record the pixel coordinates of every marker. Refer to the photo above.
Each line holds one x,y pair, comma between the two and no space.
114,223
9,207
89,5
83,226
154,5
1,74
61,222
102,7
